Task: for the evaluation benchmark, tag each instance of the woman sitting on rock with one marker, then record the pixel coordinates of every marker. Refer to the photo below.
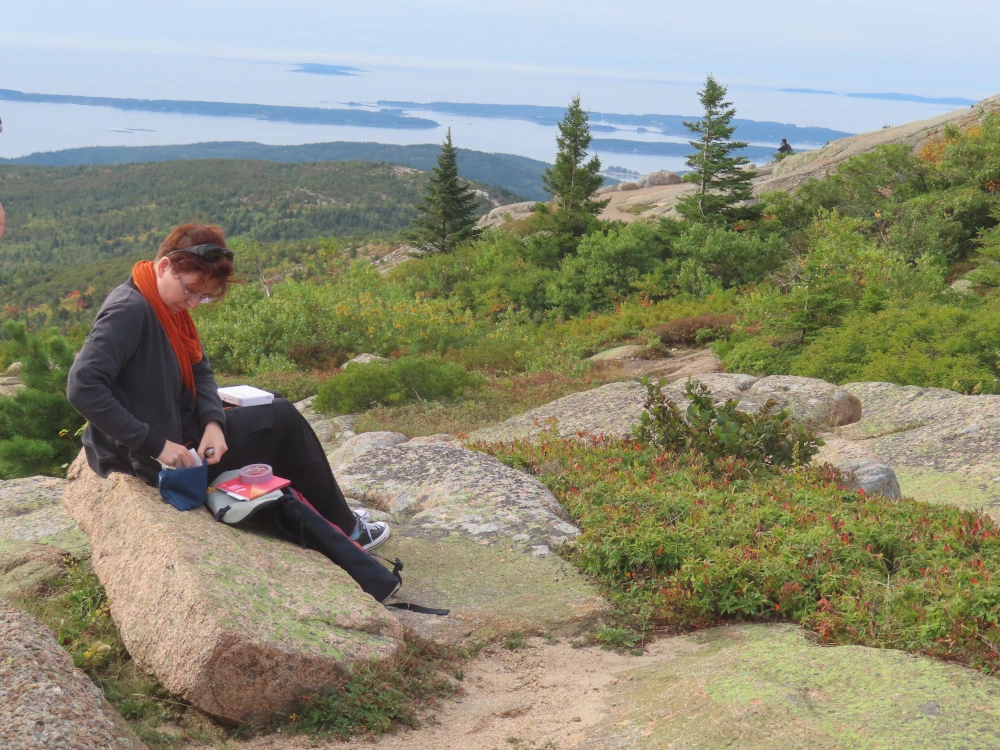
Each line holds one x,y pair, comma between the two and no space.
146,388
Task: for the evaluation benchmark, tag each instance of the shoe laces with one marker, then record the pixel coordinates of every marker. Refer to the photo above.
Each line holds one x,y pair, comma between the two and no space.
369,526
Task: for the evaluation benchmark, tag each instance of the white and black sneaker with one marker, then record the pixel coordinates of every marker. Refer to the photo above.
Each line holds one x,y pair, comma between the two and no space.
370,533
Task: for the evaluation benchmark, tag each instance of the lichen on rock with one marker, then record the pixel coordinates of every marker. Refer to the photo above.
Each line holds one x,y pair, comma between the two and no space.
44,701
475,536
240,624
770,686
35,535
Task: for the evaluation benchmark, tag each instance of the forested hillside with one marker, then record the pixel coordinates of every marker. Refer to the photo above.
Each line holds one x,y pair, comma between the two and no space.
72,228
510,171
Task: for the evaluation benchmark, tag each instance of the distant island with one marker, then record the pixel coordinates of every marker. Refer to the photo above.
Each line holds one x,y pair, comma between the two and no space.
391,114
306,115
659,148
892,97
748,130
327,70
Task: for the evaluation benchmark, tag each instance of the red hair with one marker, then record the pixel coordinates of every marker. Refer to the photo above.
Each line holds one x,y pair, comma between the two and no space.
216,272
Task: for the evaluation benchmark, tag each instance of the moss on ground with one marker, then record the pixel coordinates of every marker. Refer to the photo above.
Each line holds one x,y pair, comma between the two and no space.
756,686
966,489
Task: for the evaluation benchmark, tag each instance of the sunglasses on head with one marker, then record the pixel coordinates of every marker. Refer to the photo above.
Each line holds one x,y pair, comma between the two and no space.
209,251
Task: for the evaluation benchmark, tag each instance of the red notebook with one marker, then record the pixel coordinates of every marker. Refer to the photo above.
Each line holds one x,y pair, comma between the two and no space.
243,491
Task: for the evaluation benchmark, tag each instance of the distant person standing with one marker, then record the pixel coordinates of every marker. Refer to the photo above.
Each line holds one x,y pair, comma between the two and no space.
785,147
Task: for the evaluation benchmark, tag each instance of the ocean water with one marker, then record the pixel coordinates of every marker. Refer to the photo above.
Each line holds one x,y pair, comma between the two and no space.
31,127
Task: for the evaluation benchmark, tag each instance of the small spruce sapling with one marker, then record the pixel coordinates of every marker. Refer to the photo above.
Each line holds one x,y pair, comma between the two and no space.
573,181
447,216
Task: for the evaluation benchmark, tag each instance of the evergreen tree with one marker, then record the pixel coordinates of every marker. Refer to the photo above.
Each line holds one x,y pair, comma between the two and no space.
38,425
572,181
723,183
448,213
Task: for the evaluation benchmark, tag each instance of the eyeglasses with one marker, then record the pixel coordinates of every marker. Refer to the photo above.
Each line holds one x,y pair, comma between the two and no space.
209,251
204,299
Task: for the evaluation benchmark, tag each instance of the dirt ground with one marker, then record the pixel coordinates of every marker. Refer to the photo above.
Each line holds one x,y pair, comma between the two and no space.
543,696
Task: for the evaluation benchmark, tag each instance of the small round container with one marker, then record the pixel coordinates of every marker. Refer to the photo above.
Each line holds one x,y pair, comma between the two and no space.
256,474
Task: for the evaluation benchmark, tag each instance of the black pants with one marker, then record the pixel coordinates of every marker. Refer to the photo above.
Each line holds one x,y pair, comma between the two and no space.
276,434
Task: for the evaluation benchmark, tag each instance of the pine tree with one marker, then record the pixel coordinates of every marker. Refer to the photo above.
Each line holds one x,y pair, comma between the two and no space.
448,213
38,425
724,186
572,181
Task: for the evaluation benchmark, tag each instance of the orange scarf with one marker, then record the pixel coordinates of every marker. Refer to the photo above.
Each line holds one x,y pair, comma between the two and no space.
179,327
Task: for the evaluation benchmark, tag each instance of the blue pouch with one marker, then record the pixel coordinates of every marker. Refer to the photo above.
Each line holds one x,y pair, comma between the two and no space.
185,489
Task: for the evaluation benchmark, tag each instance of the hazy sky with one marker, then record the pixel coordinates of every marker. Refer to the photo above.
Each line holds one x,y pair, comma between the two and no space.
917,46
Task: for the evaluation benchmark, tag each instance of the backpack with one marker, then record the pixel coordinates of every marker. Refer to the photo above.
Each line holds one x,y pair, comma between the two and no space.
293,518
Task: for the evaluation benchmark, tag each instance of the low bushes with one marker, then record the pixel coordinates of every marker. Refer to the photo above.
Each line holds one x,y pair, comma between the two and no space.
679,543
951,343
755,356
360,387
694,330
500,399
310,325
768,438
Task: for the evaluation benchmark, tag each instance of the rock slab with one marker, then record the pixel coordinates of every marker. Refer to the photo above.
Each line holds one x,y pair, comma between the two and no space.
331,431
619,353
611,410
45,702
511,212
788,174
35,535
476,537
657,179
757,686
812,402
241,625
943,446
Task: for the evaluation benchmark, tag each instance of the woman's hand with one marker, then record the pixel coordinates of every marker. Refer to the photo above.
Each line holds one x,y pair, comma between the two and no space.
175,455
213,442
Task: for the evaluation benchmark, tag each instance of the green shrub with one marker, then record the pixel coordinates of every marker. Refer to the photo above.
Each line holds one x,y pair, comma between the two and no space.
973,155
728,258
952,342
842,271
380,697
605,268
314,325
498,271
867,185
755,356
38,426
359,387
714,432
945,223
509,347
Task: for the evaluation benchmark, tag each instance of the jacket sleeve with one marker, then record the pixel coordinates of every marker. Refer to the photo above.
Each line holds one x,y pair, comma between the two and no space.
209,403
113,339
